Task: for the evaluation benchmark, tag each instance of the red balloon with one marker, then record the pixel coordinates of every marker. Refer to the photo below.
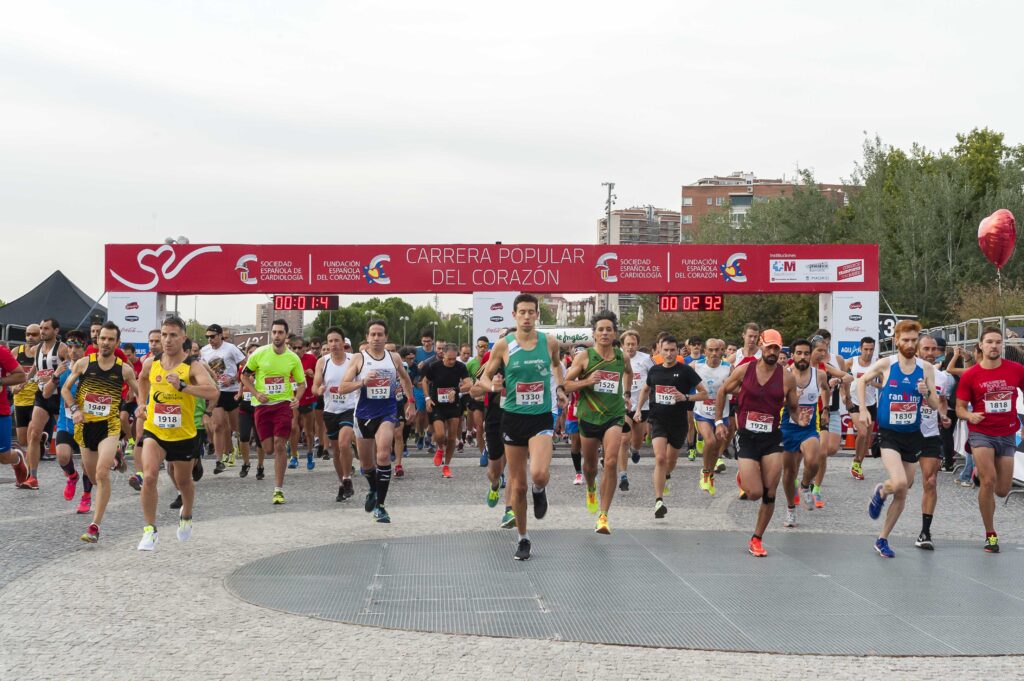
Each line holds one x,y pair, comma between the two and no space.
997,236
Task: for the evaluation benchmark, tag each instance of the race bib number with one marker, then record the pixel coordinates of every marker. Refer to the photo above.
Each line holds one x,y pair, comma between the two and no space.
273,385
97,405
759,423
167,415
334,396
247,397
927,412
998,401
378,388
607,382
638,384
706,409
664,394
902,413
446,395
530,394
43,376
501,400
805,411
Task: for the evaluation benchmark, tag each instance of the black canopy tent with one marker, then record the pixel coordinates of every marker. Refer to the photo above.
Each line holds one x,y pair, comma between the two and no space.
56,297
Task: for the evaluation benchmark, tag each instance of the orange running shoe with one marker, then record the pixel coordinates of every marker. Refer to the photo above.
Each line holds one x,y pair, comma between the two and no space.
446,472
755,548
439,457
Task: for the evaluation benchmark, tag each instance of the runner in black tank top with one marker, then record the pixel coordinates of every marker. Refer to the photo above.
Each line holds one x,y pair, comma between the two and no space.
766,387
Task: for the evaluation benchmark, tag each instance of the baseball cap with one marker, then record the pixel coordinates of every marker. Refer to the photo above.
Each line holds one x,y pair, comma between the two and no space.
215,328
771,337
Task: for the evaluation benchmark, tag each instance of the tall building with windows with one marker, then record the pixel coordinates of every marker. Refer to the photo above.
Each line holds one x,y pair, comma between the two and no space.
266,314
637,225
737,193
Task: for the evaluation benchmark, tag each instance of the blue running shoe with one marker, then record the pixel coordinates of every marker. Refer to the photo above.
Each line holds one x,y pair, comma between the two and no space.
310,464
882,546
876,503
293,462
483,459
419,442
635,455
380,515
503,481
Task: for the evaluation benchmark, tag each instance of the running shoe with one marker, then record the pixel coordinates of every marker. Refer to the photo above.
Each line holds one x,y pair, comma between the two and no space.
243,472
635,455
419,442
503,481
149,539
492,496
84,504
446,472
20,471
707,482
856,471
756,548
197,470
624,483
540,504
439,457
260,473
399,471
691,454
483,459
808,497
293,462
278,497
120,463
310,464
876,503
743,495
578,480
176,504
523,550
92,534
231,456
70,486
992,544
719,466
924,541
459,447
220,467
790,517
508,520
135,482
30,483
370,501
129,448
349,490
380,515
796,495
341,493
184,529
883,549
664,490
592,499
602,524
660,509
819,502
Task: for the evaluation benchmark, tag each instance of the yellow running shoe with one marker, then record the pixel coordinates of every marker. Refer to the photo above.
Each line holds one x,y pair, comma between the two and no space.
664,492
592,499
707,482
602,524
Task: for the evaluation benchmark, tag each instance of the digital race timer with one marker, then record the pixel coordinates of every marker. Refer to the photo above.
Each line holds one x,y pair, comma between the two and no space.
690,302
290,302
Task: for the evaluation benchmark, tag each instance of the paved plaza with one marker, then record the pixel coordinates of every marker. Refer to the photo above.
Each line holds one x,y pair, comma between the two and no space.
227,605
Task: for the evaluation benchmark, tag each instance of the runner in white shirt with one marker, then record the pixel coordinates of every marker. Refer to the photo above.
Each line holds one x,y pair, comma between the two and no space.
858,367
339,409
839,393
931,447
641,363
713,372
225,412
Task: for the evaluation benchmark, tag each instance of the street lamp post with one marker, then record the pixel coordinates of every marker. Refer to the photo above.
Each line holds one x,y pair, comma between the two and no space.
405,320
171,241
458,334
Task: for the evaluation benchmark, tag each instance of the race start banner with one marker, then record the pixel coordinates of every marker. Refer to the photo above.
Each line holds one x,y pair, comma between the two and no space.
467,268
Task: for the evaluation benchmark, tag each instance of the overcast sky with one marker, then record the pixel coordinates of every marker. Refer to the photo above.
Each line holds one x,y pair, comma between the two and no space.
408,121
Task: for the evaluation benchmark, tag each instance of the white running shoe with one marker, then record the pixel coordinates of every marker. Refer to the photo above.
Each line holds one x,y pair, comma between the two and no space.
578,480
790,518
149,539
184,529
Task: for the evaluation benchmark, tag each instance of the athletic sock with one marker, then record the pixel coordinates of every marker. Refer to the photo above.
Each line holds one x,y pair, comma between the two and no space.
383,481
623,476
577,461
990,534
86,483
507,509
371,478
926,523
524,536
32,472
816,489
658,499
538,490
69,468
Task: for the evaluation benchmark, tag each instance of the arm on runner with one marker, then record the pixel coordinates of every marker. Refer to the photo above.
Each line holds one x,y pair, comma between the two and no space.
140,412
128,373
349,384
823,387
318,377
926,387
964,414
65,392
493,364
869,377
641,399
299,376
573,382
200,384
627,384
731,386
793,399
558,371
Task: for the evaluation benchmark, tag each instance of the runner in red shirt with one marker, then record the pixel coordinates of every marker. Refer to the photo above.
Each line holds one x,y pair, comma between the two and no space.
990,389
11,373
302,418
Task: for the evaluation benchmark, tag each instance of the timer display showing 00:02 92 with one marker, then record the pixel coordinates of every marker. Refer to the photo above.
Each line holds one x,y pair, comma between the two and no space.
285,302
697,302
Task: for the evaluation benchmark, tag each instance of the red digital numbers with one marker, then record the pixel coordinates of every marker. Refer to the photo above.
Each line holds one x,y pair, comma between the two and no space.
690,302
298,302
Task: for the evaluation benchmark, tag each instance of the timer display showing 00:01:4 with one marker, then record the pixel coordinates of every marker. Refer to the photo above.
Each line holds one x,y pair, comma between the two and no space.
690,303
286,302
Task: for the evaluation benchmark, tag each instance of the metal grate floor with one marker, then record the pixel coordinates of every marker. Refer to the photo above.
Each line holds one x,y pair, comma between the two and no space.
814,594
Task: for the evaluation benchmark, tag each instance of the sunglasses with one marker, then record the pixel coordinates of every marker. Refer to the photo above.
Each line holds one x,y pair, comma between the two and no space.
211,335
74,344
